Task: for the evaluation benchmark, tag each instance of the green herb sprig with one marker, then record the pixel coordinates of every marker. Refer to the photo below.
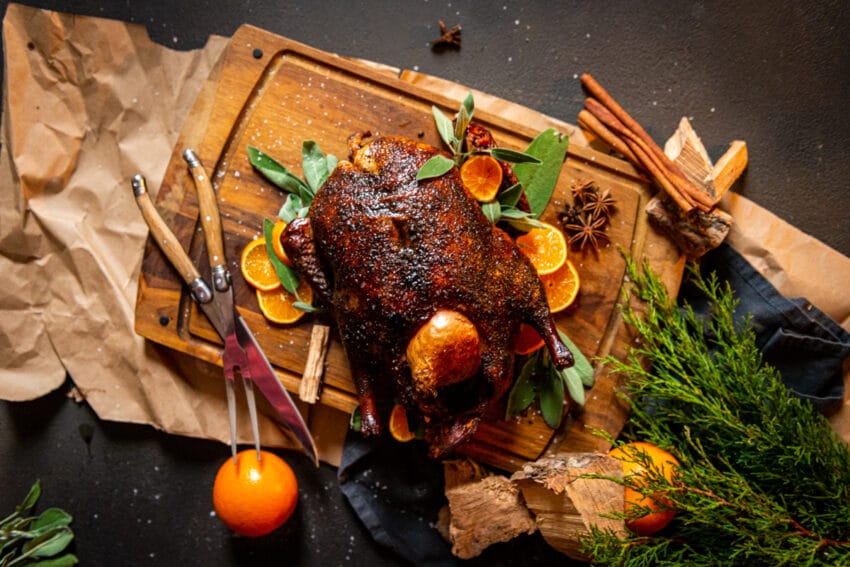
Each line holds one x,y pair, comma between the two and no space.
763,480
317,167
537,168
36,540
540,379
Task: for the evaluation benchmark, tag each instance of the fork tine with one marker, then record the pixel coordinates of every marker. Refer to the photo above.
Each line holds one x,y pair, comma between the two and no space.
231,412
252,412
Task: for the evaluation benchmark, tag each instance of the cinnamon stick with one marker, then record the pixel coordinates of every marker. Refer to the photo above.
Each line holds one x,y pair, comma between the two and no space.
590,122
643,155
671,170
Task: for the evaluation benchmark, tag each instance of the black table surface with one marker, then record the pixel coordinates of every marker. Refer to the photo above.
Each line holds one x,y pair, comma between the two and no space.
776,75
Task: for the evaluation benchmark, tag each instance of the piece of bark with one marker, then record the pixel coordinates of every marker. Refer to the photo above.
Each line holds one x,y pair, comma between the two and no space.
565,504
695,233
483,509
314,368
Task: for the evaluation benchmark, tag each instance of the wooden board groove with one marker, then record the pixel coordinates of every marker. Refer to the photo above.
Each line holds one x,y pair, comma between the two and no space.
295,93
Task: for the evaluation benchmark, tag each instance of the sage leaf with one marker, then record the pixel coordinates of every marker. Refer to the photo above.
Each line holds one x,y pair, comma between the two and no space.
434,167
31,498
492,210
49,519
274,171
552,399
287,276
522,392
445,128
291,208
461,124
513,156
520,220
331,161
61,561
574,386
582,367
356,421
538,180
46,545
314,165
510,196
469,105
304,306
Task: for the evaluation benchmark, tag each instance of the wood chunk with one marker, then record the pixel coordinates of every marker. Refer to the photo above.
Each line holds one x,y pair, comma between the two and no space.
687,150
566,505
698,232
314,368
729,167
695,233
483,509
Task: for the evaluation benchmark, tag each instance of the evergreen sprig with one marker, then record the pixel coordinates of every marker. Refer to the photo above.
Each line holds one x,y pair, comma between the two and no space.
763,479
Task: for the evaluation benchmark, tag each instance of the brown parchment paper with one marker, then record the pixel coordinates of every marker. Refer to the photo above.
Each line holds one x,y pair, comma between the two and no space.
89,102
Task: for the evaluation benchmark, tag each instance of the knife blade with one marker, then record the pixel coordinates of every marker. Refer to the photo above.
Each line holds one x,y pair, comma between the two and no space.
264,377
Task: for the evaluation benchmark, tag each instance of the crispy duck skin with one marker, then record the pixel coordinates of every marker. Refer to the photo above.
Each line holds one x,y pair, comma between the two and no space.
384,252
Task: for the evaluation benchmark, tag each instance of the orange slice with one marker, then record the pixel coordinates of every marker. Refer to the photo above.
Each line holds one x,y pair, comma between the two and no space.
482,176
527,340
256,267
546,247
399,428
278,229
277,304
561,287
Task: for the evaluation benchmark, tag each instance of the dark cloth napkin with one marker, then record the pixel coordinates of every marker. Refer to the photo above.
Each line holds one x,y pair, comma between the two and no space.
805,345
396,490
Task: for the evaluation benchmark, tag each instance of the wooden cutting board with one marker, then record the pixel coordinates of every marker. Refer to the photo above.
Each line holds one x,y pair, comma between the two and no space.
273,93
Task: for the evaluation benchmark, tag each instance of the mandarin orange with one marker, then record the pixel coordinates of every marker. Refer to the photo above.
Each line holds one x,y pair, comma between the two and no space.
660,461
481,175
255,497
545,247
256,267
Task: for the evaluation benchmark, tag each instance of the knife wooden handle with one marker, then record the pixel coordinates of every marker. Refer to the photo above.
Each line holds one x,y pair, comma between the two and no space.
168,243
210,220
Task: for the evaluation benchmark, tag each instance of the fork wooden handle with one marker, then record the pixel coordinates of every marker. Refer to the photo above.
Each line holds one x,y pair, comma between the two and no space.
210,219
168,243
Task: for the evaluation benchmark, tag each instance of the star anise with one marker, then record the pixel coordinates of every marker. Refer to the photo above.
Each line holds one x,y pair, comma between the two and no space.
582,190
450,38
569,215
600,204
588,231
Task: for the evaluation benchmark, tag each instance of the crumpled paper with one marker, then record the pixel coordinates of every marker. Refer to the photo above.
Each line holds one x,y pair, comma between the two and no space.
88,103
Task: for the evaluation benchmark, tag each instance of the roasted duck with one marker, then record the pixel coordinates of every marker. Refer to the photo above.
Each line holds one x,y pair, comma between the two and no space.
426,293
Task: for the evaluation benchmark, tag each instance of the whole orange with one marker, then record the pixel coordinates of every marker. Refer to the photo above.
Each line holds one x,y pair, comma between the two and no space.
659,461
254,497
